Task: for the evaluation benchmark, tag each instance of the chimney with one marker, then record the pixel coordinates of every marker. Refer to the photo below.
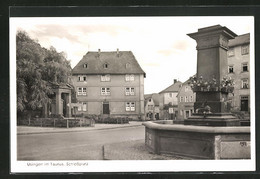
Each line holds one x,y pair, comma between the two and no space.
174,81
99,52
117,52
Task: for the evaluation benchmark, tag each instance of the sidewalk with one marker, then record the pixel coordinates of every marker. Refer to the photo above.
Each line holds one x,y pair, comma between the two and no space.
23,130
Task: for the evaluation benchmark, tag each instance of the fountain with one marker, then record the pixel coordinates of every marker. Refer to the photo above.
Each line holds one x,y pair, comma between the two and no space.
212,132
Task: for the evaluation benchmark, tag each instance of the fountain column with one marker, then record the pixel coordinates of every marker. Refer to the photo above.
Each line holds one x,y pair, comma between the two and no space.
212,46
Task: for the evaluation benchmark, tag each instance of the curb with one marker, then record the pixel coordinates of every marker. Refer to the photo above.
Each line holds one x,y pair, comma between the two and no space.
87,130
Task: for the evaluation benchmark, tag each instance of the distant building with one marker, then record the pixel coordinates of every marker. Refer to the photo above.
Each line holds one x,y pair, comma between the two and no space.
110,84
152,109
169,101
238,69
186,98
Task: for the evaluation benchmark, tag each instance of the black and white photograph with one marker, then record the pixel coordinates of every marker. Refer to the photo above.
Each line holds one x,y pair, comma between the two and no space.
132,94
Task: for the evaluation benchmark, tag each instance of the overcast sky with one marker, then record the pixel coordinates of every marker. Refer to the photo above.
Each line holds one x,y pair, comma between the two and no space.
160,44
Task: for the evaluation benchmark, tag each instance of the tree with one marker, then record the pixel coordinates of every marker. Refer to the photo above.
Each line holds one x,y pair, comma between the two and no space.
36,66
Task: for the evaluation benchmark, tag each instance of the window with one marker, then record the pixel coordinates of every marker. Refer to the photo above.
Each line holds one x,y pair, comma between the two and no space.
186,99
244,49
84,107
85,65
105,77
150,107
130,106
170,94
231,52
245,84
230,69
181,99
127,65
105,91
150,100
82,91
82,78
186,88
244,67
129,91
105,65
129,77
191,98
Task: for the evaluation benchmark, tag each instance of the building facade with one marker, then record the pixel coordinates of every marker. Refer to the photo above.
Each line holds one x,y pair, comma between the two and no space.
238,69
186,98
169,101
109,84
152,107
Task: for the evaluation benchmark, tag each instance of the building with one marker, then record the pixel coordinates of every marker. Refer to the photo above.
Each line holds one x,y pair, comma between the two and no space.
110,84
186,98
169,101
152,106
238,69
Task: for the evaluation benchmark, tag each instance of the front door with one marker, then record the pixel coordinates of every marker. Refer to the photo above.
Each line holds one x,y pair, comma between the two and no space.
105,108
244,103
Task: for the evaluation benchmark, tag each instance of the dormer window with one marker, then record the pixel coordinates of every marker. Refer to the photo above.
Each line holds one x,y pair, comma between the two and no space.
105,65
85,65
127,65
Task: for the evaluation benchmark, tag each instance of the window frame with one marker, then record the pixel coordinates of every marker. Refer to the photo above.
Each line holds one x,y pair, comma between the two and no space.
230,67
82,92
130,106
106,91
85,65
129,77
105,65
105,78
244,65
243,83
81,78
244,49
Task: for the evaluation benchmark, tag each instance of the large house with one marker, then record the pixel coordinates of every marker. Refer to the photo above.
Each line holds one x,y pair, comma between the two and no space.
109,84
238,69
169,101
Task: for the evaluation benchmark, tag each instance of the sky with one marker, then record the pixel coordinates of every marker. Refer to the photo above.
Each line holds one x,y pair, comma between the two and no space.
160,44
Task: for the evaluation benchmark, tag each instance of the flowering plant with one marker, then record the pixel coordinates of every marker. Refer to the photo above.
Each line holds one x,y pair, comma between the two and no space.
226,85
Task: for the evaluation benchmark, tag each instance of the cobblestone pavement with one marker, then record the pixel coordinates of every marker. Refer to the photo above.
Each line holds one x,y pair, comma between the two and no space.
133,150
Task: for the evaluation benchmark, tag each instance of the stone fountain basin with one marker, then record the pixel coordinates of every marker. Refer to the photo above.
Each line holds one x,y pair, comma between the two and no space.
197,142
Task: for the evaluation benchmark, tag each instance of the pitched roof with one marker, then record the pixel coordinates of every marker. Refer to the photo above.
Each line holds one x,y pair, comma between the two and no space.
239,40
121,62
56,85
173,88
154,96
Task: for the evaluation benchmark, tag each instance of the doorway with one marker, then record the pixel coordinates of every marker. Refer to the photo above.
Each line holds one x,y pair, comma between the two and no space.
244,103
105,108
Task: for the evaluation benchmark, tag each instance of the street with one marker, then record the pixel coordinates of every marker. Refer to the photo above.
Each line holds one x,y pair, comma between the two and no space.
84,145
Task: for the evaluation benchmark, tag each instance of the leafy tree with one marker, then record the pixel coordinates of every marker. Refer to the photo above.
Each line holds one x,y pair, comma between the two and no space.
36,66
